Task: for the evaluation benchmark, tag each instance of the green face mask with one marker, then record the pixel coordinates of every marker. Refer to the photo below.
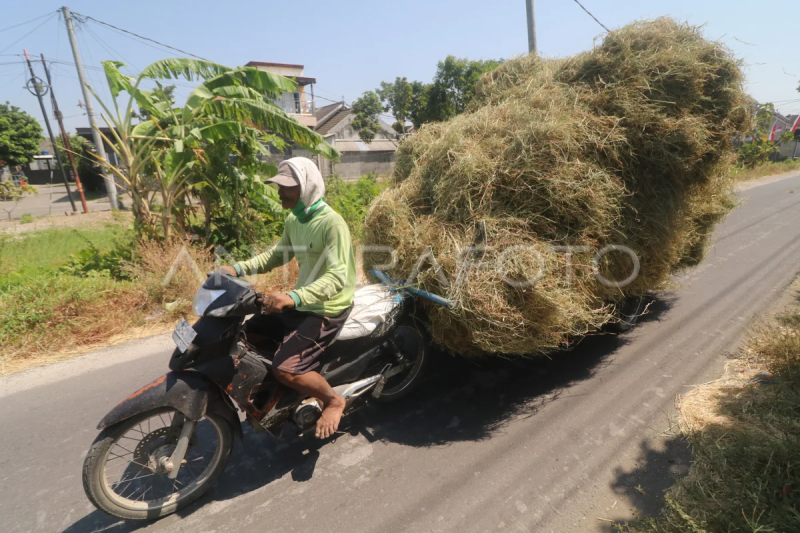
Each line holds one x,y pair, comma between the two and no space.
300,209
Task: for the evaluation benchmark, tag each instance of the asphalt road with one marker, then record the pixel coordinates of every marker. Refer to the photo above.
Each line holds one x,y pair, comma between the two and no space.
569,444
51,200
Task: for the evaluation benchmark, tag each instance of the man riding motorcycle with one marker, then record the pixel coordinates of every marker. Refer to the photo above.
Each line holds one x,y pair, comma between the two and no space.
306,320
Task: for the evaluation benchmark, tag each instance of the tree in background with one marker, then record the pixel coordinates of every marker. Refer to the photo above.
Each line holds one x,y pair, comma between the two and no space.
366,110
20,135
398,98
759,149
450,93
88,169
454,85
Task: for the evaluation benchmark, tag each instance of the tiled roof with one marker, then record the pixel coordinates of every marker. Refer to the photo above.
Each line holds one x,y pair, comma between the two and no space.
333,121
324,111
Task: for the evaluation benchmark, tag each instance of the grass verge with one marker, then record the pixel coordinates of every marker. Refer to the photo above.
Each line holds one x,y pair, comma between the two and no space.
51,306
744,430
65,290
766,169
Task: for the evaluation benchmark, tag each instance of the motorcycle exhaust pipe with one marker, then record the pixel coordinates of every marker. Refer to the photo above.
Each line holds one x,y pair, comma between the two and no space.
351,391
308,412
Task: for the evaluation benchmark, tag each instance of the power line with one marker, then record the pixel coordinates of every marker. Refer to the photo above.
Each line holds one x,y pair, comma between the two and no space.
159,48
108,48
590,14
33,30
141,37
27,22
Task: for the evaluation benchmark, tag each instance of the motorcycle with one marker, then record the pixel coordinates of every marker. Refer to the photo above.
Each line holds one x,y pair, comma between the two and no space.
166,444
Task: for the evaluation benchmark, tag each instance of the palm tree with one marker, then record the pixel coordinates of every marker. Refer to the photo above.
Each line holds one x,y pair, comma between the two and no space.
167,155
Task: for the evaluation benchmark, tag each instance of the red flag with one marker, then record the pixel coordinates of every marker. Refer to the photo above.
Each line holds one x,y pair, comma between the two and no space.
796,123
773,130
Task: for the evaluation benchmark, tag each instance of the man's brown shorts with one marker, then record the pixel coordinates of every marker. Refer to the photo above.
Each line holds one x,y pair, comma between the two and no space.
301,338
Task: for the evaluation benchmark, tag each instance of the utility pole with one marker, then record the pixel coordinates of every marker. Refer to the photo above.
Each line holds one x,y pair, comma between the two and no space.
35,86
111,188
65,137
531,26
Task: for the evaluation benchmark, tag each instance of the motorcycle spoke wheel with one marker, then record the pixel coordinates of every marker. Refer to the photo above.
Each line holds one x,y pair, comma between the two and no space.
133,476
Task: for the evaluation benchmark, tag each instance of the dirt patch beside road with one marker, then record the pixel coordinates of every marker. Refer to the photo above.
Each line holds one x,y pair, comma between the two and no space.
62,221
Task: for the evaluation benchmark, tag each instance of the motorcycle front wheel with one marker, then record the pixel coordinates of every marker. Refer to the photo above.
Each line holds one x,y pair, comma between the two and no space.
124,476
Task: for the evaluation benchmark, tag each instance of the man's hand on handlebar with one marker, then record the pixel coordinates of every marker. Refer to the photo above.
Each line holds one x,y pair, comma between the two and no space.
277,302
229,270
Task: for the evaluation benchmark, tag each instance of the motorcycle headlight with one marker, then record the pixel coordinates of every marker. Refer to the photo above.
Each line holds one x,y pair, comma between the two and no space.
221,311
203,299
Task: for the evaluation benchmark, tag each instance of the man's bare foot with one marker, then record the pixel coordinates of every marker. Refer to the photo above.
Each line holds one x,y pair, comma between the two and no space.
328,423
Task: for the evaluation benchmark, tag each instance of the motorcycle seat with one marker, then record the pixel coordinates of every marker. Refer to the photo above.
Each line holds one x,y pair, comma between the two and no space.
372,305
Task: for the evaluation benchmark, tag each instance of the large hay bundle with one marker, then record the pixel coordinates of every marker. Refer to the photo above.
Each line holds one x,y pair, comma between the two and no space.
625,145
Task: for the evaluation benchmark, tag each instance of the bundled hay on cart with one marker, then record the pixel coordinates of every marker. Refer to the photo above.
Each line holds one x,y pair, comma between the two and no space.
572,185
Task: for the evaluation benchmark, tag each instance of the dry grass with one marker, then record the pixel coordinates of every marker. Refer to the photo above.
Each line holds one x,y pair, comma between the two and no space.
628,144
745,434
32,360
767,169
57,315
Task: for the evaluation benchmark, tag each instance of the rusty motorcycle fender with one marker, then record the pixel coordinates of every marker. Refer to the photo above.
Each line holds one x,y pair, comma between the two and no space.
189,392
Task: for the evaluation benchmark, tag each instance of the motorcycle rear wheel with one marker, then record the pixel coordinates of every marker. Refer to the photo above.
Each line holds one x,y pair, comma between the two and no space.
412,344
126,498
628,314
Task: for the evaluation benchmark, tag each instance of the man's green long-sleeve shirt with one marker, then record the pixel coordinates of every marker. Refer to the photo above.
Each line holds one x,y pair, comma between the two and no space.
324,253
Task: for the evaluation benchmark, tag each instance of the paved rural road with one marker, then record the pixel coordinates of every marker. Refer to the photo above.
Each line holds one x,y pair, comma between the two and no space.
51,200
566,445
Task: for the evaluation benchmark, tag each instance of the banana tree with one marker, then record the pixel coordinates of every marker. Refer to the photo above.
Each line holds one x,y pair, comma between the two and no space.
163,157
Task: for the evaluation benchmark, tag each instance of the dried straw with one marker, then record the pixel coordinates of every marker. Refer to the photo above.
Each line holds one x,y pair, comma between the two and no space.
627,144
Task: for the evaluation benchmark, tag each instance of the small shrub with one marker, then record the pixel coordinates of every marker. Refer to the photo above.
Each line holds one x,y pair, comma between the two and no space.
26,218
91,260
168,272
351,200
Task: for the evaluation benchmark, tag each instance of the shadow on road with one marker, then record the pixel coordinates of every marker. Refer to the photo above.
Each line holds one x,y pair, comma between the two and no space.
642,488
460,400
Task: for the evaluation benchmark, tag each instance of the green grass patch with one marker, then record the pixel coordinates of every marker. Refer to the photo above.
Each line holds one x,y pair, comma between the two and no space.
49,249
67,288
26,218
766,169
50,309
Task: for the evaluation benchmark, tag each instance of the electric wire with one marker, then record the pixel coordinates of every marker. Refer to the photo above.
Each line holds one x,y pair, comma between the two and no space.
590,14
33,30
27,22
112,51
94,76
132,68
12,80
134,39
142,37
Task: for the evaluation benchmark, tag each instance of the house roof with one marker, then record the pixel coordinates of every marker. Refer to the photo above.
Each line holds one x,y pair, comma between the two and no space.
301,80
378,145
330,116
270,64
324,111
87,132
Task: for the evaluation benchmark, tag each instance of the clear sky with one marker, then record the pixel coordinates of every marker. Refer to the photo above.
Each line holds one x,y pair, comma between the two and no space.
350,46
